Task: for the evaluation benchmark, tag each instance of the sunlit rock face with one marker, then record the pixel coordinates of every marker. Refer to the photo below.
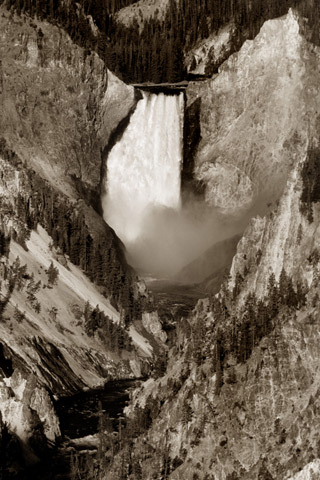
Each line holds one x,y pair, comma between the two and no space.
27,411
255,117
284,239
264,422
208,53
58,105
24,403
142,10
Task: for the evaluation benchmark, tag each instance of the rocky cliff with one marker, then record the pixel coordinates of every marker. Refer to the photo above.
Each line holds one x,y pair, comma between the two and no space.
239,398
255,117
262,425
142,11
59,103
70,307
59,331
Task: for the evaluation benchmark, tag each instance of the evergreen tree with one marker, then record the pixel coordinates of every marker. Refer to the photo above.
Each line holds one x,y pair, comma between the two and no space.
219,363
53,274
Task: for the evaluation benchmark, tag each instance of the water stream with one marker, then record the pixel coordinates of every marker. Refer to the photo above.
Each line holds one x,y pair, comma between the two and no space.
144,167
79,418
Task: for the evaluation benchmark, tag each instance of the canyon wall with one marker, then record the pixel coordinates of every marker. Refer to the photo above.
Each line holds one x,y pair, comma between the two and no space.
255,118
225,409
59,103
60,107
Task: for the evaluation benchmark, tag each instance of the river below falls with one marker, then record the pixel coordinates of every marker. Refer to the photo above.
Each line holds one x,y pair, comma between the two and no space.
79,417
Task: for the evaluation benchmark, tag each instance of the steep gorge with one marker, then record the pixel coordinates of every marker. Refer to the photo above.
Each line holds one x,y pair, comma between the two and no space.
92,320
239,398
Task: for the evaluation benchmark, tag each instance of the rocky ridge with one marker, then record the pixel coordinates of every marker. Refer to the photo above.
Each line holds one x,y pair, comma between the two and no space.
141,11
59,103
253,118
213,415
60,108
205,57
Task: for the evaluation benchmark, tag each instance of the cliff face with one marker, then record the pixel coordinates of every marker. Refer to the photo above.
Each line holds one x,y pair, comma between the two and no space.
283,240
59,108
59,103
222,410
59,334
261,420
205,57
25,406
263,424
255,117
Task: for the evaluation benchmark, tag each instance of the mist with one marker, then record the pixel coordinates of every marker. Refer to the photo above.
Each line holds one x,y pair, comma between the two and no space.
142,200
172,238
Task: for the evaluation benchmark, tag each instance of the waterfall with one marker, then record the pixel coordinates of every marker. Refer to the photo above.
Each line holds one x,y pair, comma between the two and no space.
143,168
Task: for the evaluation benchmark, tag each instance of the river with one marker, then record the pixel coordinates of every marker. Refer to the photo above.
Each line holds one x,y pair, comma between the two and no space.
79,418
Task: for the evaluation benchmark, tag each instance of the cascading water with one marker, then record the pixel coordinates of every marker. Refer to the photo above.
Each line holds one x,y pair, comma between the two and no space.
143,168
142,199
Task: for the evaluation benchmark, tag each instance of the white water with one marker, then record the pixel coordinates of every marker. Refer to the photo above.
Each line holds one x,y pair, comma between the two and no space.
143,168
142,200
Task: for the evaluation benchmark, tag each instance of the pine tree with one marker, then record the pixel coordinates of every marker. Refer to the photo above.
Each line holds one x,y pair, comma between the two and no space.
53,274
283,287
18,315
218,363
186,412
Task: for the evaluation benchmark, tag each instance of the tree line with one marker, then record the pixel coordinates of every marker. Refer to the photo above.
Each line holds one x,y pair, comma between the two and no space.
112,335
155,51
238,332
100,256
310,175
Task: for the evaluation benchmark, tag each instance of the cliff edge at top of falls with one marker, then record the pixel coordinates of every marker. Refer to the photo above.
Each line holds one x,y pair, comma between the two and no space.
255,117
59,104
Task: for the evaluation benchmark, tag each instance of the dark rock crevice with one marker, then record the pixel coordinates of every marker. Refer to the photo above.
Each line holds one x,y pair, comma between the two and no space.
5,362
191,140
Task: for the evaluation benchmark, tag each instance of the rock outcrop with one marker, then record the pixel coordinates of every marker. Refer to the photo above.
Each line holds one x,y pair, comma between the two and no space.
60,108
59,104
255,118
142,11
215,413
206,56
